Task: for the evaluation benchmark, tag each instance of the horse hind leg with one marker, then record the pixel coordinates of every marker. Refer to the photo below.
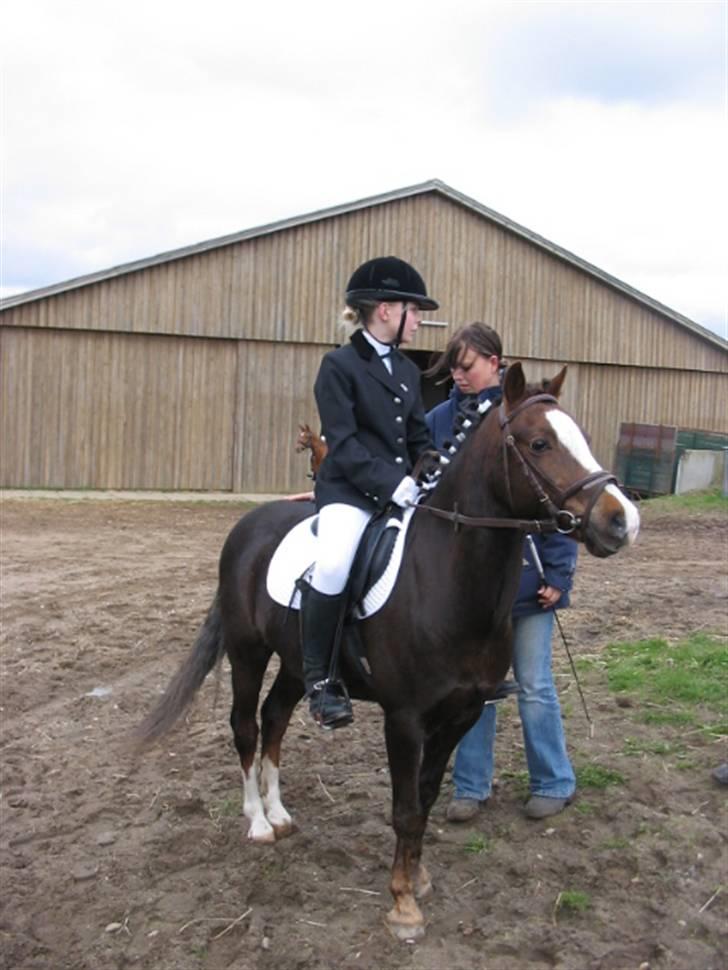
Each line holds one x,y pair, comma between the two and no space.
282,698
248,663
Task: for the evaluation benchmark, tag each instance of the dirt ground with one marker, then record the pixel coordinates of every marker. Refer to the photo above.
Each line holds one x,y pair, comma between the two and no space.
112,862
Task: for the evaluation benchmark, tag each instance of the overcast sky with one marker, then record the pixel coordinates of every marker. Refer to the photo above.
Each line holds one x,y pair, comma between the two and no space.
133,128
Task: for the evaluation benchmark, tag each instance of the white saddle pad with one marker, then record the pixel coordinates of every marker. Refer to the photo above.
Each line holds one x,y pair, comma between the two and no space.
296,554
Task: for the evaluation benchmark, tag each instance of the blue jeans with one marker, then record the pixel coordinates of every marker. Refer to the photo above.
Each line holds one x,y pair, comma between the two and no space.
549,768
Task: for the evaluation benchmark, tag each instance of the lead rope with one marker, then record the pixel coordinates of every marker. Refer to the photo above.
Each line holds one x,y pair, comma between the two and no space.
542,575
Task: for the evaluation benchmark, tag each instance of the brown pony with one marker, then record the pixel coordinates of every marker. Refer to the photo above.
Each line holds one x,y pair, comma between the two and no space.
439,646
308,439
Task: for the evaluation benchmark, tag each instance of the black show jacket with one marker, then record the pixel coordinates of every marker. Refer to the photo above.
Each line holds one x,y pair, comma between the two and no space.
373,422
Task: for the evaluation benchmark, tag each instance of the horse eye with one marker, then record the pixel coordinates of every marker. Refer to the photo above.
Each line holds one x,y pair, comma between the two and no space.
538,445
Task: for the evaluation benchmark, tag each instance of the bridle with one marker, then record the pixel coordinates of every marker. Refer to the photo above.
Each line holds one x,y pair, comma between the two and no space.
560,519
594,483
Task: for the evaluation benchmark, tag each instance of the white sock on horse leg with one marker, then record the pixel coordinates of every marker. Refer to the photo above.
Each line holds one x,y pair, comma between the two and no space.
269,785
260,829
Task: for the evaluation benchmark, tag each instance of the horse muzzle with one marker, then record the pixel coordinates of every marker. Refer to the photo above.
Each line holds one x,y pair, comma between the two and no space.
613,523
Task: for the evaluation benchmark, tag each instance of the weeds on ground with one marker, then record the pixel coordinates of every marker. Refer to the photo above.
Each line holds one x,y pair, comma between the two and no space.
520,780
228,807
597,776
616,843
570,901
477,844
634,747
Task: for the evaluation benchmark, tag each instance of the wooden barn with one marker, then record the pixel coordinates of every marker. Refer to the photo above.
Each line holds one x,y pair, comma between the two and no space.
192,369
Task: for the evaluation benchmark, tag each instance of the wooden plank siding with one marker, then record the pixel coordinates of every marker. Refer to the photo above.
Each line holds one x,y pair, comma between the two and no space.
140,412
102,410
287,286
193,372
275,395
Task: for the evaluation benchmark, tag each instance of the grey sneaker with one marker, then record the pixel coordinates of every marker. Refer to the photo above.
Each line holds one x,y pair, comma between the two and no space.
463,809
540,806
720,774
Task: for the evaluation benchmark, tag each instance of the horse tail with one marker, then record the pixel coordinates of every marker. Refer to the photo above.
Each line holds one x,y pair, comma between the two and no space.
207,651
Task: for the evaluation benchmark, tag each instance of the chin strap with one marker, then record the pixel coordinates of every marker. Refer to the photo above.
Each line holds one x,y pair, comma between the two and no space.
398,339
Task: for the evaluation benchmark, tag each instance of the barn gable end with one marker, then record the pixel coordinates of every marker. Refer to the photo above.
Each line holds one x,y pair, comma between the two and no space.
165,373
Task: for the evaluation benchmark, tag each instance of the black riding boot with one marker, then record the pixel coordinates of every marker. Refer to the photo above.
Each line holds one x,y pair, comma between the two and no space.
328,699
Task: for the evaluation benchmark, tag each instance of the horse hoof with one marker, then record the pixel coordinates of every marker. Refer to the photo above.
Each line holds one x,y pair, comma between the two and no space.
283,829
405,932
261,835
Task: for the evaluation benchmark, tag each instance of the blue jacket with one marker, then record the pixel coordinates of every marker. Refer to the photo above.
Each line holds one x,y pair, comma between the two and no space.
556,552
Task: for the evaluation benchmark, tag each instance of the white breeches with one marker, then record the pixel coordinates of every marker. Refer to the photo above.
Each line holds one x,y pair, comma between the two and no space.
339,530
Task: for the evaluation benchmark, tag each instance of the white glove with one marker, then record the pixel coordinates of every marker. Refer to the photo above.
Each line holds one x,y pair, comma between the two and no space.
406,492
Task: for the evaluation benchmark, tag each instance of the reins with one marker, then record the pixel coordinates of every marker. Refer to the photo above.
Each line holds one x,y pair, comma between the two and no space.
477,521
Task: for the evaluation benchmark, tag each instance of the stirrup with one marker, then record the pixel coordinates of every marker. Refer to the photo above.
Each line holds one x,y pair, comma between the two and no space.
503,690
329,704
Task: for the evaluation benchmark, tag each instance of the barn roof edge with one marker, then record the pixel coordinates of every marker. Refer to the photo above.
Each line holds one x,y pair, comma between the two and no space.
421,188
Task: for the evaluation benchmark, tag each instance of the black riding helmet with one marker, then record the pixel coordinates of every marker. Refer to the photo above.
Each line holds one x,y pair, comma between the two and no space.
390,280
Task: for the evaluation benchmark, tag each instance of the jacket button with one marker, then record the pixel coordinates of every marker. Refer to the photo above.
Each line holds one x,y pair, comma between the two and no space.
400,441
398,419
398,400
398,460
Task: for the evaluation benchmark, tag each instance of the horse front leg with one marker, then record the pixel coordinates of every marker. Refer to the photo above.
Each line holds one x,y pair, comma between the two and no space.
439,745
404,737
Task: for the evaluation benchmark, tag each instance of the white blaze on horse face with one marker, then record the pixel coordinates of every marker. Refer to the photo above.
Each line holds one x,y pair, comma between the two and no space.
260,829
572,438
570,435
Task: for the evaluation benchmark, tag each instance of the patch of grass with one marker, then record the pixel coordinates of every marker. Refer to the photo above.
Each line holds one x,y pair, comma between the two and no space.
584,808
572,901
686,764
666,717
597,776
477,844
719,729
676,678
633,747
228,807
520,779
616,843
708,500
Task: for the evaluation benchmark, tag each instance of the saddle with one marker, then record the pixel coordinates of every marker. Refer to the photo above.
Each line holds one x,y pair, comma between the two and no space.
371,579
374,569
373,556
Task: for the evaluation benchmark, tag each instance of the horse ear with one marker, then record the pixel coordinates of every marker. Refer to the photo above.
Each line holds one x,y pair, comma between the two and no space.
553,387
514,385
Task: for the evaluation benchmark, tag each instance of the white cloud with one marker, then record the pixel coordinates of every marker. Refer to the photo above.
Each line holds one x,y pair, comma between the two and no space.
147,126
